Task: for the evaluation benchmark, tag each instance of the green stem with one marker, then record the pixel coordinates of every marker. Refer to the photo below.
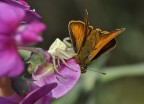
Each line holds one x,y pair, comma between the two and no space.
113,73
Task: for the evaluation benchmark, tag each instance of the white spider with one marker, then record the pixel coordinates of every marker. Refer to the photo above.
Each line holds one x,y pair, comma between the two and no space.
61,51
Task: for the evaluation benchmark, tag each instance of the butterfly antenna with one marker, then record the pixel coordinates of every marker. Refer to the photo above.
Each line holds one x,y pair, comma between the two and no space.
86,20
86,15
98,72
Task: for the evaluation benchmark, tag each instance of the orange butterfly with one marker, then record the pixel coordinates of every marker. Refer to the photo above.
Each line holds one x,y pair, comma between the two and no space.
90,43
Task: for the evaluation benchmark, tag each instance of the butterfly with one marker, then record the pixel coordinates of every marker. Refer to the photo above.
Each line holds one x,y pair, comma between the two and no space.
89,43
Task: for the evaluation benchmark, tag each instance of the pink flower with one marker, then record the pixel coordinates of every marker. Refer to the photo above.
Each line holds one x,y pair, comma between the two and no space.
30,15
13,34
34,97
47,74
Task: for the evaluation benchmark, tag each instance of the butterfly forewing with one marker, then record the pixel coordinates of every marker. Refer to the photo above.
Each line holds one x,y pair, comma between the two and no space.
79,31
77,34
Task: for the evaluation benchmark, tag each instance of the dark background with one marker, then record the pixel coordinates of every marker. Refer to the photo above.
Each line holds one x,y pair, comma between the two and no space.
124,82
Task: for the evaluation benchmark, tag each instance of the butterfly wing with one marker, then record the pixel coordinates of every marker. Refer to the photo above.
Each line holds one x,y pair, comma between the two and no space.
105,41
86,49
108,47
77,34
89,43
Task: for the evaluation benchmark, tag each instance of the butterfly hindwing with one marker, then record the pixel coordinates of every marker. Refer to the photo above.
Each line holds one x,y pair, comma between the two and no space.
108,47
103,40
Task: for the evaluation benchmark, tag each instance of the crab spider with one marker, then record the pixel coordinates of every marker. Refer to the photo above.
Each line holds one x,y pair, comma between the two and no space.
61,51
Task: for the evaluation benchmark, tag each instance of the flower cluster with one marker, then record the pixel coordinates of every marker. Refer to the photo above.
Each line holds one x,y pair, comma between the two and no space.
16,29
20,26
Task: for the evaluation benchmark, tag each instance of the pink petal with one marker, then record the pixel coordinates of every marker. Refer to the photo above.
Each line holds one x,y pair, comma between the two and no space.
15,98
30,14
64,85
41,95
6,101
29,33
45,99
48,57
23,3
10,17
10,63
40,92
17,3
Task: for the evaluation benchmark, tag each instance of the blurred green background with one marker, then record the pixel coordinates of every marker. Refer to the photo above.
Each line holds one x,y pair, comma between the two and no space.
124,81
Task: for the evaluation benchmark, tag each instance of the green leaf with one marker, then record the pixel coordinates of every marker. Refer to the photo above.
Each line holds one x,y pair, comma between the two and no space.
24,53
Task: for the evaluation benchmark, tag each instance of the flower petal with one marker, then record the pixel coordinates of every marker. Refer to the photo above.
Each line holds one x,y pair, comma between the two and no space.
64,85
6,101
41,95
10,17
30,16
10,63
29,33
17,3
35,95
24,3
45,99
13,99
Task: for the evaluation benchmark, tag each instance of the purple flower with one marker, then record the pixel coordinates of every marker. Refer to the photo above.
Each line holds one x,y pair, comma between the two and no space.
47,75
34,97
26,34
30,16
13,34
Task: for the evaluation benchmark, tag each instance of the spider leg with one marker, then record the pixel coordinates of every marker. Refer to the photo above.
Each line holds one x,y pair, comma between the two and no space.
58,62
62,59
55,68
65,54
67,65
65,40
